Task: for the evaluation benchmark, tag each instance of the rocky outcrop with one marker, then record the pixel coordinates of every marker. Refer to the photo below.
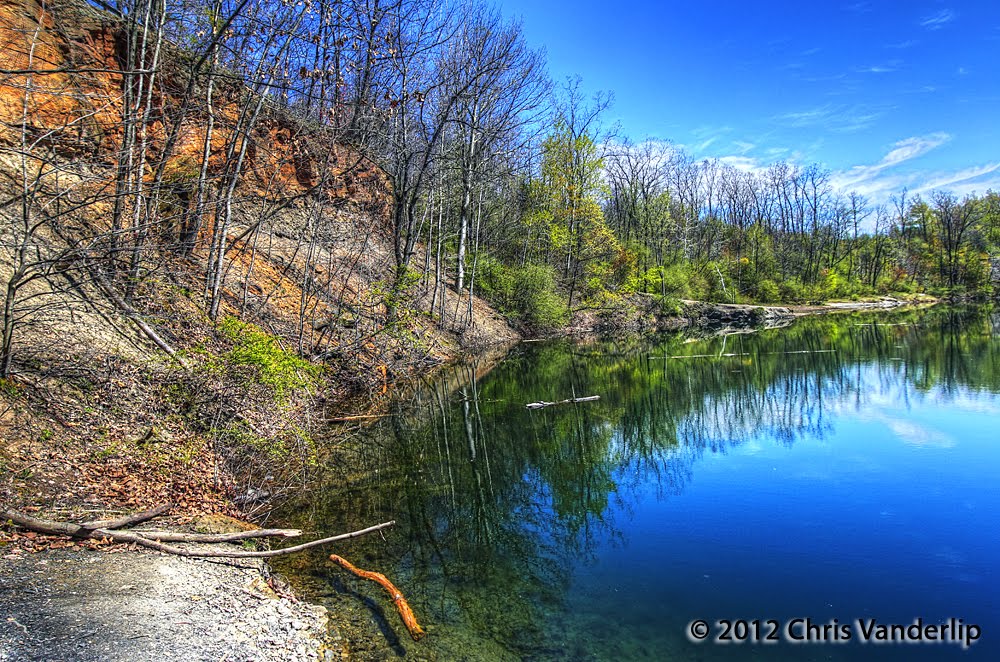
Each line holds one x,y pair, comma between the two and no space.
735,316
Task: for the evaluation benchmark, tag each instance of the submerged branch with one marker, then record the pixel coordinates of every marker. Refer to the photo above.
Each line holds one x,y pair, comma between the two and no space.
402,606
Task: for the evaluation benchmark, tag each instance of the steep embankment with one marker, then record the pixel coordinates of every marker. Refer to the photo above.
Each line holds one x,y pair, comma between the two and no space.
95,414
143,368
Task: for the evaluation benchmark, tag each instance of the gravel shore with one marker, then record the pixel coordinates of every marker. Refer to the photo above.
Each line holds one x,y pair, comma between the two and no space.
71,605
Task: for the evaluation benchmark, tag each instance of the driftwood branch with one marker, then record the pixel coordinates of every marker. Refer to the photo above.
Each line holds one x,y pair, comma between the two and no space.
130,520
402,606
539,405
151,541
173,536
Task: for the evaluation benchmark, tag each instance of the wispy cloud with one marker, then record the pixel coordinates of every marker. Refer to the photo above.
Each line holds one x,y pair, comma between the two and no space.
705,144
884,179
881,68
872,179
938,20
859,7
744,163
877,69
909,43
911,148
961,182
805,118
703,138
837,118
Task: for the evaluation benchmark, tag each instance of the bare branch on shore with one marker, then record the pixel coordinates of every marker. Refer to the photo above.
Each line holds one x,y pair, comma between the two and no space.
154,539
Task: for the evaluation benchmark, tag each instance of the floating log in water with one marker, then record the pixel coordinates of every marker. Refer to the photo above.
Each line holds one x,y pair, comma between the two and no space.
807,351
539,405
697,356
402,606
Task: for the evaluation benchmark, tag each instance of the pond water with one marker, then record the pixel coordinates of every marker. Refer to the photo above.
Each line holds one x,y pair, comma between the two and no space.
844,468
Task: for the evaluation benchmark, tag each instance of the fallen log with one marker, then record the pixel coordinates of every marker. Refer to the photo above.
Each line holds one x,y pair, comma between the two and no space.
174,536
130,520
150,541
543,403
402,606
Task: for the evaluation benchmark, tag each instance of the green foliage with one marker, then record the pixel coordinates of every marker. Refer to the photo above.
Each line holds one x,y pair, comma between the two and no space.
535,298
792,291
272,365
9,388
526,295
496,283
768,292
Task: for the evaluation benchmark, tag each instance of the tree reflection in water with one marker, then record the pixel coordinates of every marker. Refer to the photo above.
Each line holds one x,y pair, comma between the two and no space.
495,503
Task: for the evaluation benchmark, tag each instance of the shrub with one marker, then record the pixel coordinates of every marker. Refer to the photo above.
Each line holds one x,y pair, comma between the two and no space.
495,282
768,292
792,290
536,301
526,295
273,366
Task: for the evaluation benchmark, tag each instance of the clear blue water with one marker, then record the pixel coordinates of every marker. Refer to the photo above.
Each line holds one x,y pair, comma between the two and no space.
843,468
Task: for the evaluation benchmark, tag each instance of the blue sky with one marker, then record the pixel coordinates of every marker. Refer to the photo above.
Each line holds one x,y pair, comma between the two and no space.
885,94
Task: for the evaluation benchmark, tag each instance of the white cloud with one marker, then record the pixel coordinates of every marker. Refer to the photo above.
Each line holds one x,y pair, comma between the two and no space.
877,69
938,20
911,148
832,117
882,180
870,179
806,117
705,144
744,163
963,181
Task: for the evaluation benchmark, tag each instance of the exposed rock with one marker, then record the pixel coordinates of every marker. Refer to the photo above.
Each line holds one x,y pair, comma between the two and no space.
735,316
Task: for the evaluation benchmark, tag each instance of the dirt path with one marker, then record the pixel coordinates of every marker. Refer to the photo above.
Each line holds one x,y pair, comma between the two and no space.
70,605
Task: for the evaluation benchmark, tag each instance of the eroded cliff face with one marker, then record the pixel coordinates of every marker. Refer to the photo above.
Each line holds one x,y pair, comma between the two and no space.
59,76
61,89
306,272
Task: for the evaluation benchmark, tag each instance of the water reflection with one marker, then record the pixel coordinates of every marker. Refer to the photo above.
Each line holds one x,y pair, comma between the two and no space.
498,507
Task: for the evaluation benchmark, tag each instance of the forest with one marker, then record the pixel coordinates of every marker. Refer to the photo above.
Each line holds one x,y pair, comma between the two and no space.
235,234
156,142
